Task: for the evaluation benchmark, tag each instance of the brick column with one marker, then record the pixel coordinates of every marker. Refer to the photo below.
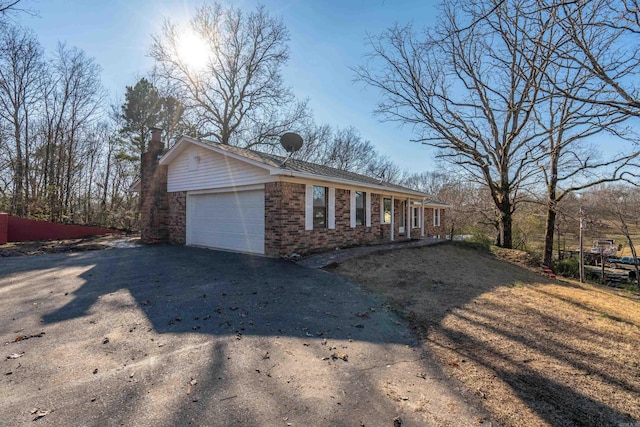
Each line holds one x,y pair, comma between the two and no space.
154,201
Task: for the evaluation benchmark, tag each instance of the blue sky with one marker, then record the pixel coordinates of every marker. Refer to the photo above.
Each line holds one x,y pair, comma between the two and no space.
327,37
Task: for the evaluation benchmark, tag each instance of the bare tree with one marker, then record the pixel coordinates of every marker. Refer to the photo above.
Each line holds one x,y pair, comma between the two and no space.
603,41
238,93
574,101
72,103
468,91
316,138
569,114
471,204
348,151
8,7
385,169
21,66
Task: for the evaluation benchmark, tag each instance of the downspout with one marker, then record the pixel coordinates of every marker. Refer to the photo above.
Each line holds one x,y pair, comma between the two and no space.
393,222
422,218
408,222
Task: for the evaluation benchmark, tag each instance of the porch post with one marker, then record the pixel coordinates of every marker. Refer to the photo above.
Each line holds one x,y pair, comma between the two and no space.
393,222
409,221
422,219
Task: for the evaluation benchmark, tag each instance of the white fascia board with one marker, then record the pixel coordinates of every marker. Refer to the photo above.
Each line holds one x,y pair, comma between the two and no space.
436,205
174,151
135,187
347,183
428,204
184,141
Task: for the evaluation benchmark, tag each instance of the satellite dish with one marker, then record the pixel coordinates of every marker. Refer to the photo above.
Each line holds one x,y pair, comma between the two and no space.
291,142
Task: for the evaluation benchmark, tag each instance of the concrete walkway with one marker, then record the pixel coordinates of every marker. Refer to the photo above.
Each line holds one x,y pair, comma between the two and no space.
324,259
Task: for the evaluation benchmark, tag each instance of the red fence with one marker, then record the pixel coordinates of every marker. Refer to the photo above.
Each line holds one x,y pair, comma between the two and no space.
15,229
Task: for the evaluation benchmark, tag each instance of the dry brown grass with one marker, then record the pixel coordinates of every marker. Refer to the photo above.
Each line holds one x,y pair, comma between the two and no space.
535,351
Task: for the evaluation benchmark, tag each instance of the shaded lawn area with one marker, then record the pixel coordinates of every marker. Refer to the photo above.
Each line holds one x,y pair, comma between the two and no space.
535,351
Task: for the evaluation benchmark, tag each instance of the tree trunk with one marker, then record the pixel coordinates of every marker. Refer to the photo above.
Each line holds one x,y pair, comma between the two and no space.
552,201
560,256
506,225
17,205
505,221
548,236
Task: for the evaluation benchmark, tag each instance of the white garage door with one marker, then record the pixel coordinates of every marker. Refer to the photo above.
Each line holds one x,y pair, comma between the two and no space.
233,221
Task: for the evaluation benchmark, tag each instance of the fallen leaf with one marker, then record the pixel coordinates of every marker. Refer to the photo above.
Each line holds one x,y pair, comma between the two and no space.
15,355
26,337
39,413
341,356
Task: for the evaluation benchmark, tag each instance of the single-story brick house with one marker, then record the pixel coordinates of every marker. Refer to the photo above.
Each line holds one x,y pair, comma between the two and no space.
207,194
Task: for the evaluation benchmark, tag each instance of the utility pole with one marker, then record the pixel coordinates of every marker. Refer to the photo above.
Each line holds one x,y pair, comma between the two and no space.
581,250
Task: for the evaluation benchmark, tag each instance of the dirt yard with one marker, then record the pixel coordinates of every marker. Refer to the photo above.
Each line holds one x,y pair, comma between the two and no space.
535,351
12,249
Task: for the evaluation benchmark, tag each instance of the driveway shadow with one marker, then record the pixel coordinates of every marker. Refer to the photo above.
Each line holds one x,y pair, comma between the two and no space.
258,309
182,289
168,335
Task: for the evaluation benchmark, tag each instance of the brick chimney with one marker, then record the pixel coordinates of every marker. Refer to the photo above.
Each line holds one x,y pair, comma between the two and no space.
154,201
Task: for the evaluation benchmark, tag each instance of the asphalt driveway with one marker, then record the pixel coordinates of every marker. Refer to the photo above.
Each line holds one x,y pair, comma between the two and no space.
170,335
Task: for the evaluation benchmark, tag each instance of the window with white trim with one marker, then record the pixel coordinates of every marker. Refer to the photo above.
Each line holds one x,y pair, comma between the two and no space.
319,207
436,217
386,211
361,198
416,216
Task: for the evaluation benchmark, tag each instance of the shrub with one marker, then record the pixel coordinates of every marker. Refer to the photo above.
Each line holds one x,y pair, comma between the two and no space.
569,267
480,239
536,256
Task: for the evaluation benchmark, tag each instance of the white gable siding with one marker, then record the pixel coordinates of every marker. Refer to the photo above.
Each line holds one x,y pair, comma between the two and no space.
212,170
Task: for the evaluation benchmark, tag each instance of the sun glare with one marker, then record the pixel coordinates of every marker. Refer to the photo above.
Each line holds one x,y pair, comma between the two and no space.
193,51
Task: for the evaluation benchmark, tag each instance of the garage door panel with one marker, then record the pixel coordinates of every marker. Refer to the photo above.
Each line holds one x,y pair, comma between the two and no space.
233,221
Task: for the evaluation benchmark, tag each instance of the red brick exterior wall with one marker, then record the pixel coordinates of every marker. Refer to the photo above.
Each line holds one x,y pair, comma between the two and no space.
178,217
429,229
285,223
